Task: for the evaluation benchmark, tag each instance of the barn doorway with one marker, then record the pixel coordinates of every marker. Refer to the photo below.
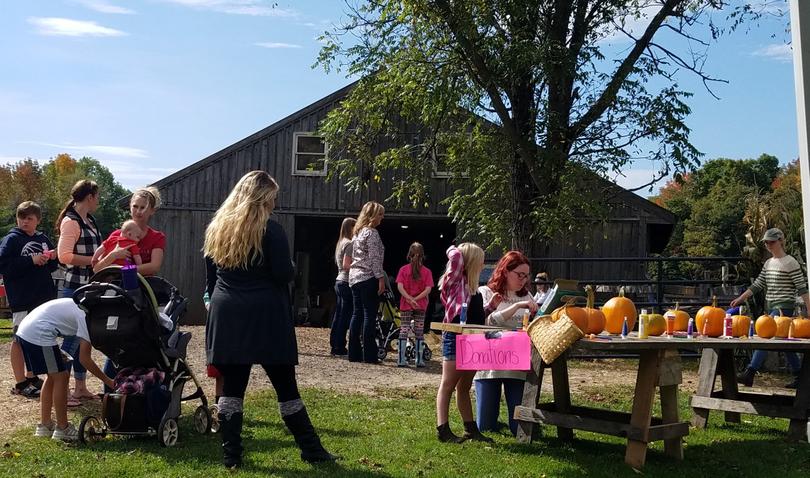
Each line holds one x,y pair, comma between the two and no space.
314,250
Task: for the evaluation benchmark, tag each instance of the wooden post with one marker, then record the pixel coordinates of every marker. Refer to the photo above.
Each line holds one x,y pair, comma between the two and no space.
648,369
669,378
562,393
706,375
531,397
797,430
728,377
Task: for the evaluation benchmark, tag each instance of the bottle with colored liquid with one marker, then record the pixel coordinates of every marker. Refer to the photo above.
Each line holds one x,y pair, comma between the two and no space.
690,329
643,322
624,329
669,318
462,318
727,327
525,320
129,276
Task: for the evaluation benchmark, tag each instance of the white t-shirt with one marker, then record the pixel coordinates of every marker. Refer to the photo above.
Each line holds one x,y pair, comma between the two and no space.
53,318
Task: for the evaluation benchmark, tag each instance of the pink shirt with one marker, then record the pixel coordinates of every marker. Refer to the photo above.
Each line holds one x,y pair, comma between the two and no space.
414,287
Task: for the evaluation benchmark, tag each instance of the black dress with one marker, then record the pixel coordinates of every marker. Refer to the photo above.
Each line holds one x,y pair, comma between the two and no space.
249,319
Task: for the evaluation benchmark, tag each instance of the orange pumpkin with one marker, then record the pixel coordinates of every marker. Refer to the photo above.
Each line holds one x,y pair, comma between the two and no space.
783,325
577,314
740,324
656,324
765,326
709,319
801,328
596,319
681,318
615,310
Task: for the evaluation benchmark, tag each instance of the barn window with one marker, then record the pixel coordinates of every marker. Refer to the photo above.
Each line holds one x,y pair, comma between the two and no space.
440,167
309,154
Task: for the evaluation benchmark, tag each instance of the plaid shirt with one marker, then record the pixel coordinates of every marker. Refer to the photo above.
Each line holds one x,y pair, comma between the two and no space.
89,240
454,285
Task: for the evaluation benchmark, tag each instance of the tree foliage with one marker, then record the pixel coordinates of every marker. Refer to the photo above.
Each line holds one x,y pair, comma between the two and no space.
49,185
529,97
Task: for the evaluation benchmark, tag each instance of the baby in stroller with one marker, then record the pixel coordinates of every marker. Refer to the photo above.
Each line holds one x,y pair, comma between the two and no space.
142,340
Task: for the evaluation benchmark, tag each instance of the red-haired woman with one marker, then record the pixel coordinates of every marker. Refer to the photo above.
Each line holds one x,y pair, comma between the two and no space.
508,296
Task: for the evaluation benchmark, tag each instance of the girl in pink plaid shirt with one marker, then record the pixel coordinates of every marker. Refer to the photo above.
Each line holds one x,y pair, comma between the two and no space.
459,285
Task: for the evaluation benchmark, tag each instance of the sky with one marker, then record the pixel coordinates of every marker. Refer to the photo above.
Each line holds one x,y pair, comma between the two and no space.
149,87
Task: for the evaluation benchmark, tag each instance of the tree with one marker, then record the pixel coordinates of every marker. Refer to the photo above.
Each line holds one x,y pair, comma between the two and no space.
529,91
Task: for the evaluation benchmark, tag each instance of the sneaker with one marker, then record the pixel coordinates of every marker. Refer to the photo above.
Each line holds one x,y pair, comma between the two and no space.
25,389
68,433
37,382
44,430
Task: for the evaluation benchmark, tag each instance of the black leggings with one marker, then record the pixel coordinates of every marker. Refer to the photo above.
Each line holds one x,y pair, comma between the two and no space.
235,380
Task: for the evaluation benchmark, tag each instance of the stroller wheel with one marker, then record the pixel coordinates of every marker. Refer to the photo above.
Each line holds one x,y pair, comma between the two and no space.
90,430
202,420
168,432
214,411
426,354
381,353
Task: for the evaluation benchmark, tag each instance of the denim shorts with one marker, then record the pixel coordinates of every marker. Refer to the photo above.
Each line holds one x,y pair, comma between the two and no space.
449,346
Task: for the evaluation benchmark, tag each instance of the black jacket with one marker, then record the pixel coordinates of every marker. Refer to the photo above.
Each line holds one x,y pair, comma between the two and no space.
249,319
27,285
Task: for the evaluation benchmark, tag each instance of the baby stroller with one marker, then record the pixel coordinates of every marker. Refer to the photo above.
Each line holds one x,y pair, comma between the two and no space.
125,326
388,327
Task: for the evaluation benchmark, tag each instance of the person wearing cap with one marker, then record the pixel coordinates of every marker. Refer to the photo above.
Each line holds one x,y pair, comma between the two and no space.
782,279
541,287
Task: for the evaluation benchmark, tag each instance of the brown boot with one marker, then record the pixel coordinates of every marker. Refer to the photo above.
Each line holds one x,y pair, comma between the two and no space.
446,435
471,432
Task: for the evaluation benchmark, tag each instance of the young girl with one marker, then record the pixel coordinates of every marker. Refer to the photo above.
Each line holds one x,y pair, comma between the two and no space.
414,282
459,285
344,306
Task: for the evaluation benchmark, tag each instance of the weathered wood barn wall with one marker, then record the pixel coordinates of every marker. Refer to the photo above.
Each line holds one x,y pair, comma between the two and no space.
310,208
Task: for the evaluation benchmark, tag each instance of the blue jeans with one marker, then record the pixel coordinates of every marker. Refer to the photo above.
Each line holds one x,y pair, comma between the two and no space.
343,315
488,401
71,345
364,318
759,356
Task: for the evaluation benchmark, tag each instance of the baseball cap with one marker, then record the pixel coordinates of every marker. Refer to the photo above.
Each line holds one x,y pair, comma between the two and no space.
773,234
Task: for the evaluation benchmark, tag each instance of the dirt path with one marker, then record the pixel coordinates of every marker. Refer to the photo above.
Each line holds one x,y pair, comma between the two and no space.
318,369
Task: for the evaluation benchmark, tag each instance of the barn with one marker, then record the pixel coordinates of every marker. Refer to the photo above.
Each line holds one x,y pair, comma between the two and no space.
310,209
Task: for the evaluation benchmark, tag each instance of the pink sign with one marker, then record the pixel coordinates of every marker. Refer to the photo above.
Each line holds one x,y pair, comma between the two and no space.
509,351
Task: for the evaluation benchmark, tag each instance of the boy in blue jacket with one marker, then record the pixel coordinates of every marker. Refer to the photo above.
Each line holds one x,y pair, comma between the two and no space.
27,259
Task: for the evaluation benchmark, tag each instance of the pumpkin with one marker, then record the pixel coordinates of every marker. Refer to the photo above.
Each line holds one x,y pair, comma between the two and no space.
740,324
709,319
615,310
801,328
577,314
681,318
783,325
596,319
765,326
656,324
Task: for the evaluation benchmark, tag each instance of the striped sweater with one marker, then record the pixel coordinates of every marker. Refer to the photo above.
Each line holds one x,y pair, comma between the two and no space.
782,279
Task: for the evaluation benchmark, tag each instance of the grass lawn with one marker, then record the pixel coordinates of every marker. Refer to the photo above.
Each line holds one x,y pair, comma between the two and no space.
5,330
395,436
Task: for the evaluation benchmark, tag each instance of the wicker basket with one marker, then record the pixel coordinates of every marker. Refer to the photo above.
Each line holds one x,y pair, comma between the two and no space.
553,338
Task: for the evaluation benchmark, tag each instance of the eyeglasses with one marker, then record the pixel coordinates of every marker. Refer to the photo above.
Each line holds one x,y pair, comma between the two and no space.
520,275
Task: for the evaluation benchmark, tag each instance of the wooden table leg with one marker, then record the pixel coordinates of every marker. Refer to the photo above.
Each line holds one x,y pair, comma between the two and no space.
562,393
797,430
648,368
706,375
669,378
728,377
531,397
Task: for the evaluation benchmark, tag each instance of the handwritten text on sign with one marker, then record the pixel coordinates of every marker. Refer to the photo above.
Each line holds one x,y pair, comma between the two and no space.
512,351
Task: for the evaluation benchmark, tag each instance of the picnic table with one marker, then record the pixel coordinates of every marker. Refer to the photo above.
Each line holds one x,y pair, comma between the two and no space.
659,366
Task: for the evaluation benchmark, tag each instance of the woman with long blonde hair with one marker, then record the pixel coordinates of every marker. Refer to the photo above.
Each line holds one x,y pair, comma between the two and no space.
249,319
343,293
367,281
459,290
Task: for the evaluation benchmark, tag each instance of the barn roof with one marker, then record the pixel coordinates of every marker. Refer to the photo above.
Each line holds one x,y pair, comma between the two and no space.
629,198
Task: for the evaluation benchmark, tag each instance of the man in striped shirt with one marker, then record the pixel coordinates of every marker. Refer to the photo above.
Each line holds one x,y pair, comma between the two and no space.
782,279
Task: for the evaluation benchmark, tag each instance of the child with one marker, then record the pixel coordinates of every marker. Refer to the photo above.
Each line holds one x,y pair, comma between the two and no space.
130,235
459,285
414,282
26,262
37,337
